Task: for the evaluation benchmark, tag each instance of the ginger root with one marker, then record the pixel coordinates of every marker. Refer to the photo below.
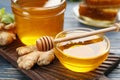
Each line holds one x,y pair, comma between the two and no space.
7,27
45,58
29,56
27,61
25,50
7,33
6,37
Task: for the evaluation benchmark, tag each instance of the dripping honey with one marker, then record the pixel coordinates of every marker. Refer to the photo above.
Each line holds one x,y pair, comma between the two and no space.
84,54
38,18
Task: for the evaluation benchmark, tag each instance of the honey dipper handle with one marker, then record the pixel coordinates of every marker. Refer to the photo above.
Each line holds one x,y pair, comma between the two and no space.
114,27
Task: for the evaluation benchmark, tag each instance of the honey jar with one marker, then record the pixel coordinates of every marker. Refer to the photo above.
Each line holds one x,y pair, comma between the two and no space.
38,18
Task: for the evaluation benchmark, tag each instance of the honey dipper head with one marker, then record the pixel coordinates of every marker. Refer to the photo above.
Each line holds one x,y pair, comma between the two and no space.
44,43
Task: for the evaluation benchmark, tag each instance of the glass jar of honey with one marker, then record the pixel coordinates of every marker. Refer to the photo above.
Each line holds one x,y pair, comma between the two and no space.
84,54
38,18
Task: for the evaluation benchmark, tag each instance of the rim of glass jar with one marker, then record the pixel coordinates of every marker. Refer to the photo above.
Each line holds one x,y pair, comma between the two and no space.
39,8
105,38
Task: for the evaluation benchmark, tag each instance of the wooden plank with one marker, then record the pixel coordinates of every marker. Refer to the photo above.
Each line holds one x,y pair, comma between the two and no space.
55,70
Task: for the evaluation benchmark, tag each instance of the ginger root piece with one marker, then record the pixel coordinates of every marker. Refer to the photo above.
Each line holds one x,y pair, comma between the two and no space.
6,37
25,50
45,58
7,33
29,56
27,61
9,26
1,25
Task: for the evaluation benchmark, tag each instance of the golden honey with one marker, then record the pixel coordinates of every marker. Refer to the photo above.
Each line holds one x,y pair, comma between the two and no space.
82,55
38,18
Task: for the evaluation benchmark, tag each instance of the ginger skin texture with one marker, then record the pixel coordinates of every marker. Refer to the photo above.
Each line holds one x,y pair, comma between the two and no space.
29,56
25,50
28,60
7,33
6,37
46,58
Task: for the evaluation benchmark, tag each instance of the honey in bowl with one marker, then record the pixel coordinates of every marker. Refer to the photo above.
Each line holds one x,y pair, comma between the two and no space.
38,18
84,54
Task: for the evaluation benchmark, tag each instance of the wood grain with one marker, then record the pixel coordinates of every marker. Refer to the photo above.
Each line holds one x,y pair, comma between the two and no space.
55,70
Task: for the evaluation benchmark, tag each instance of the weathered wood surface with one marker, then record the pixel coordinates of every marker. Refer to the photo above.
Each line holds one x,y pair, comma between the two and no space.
55,71
8,72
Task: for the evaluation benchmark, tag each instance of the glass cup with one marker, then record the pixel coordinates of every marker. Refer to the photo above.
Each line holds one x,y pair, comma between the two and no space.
96,16
38,18
84,54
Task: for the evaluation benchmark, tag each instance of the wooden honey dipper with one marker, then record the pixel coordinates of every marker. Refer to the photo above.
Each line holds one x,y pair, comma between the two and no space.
46,43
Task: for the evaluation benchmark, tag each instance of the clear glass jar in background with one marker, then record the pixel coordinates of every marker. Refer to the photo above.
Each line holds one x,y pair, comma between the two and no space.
38,18
84,54
97,16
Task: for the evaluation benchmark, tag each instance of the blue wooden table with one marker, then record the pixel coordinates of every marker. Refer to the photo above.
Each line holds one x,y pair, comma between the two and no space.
8,72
